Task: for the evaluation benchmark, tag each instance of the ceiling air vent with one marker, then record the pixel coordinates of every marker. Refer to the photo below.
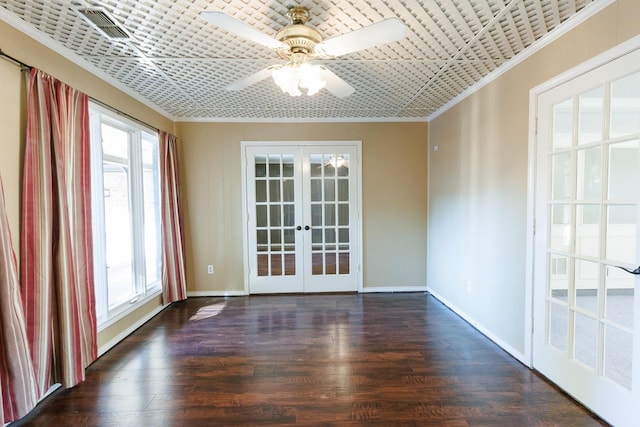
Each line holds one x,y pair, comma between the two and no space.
100,19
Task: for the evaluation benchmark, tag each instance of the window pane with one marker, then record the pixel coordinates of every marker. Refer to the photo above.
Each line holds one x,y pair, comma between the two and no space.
118,233
115,142
151,196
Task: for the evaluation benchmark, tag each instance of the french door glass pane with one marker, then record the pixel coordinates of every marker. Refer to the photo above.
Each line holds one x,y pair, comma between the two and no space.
563,124
560,229
587,279
618,349
624,170
588,230
586,340
620,288
558,326
561,183
589,171
625,106
621,233
590,123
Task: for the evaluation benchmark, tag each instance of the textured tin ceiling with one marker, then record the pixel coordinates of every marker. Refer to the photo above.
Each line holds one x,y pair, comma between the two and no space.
180,64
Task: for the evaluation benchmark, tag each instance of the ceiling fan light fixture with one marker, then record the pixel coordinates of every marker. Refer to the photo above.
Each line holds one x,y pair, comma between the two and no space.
293,77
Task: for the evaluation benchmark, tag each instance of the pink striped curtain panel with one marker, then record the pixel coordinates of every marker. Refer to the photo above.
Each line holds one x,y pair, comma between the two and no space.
174,285
57,256
17,379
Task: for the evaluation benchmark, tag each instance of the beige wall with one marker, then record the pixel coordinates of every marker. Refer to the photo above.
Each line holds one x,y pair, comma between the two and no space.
12,125
394,186
478,180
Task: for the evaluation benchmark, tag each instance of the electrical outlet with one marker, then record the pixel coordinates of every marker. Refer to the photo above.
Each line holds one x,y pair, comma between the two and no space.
210,269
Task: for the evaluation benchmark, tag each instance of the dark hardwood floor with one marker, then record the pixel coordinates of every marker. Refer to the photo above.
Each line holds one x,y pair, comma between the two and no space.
343,360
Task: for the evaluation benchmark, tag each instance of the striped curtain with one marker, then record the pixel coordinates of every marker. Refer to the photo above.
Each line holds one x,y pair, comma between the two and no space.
56,257
17,379
174,284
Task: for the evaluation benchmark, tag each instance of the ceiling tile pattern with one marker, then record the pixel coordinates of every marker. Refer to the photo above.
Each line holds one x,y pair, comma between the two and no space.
181,64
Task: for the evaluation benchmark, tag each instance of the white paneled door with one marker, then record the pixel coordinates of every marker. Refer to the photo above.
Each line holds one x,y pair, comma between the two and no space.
302,217
586,308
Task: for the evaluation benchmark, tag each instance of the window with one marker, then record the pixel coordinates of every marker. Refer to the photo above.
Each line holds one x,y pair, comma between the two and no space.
126,213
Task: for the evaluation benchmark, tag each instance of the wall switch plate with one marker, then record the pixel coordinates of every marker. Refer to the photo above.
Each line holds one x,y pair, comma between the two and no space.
210,269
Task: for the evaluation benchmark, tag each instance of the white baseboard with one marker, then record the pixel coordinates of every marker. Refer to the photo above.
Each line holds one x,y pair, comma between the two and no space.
484,331
216,294
122,335
386,289
391,289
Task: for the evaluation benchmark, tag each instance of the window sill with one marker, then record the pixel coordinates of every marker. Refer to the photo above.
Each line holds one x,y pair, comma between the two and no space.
125,309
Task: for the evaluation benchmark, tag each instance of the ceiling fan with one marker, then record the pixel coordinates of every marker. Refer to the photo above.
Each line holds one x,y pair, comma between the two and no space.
299,44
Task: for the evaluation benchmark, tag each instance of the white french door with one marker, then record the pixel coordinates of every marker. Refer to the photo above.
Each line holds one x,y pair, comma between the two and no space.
586,308
302,217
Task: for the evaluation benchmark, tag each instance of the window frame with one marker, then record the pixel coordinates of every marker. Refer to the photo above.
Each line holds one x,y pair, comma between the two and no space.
144,292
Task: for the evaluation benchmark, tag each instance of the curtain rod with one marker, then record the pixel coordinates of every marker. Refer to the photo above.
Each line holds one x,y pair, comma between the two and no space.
25,67
22,65
122,113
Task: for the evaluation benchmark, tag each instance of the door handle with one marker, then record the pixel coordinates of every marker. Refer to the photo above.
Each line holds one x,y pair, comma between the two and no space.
306,227
298,228
636,271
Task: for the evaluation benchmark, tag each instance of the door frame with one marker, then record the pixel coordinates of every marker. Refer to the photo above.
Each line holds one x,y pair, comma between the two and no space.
245,205
610,55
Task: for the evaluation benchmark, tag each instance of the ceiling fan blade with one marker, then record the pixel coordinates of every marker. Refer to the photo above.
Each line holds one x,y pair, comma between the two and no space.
338,87
235,26
251,79
387,31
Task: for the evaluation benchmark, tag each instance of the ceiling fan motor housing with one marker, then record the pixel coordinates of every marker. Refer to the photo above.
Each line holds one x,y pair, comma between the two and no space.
300,38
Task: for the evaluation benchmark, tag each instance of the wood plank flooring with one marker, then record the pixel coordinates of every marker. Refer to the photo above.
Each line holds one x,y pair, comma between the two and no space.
331,360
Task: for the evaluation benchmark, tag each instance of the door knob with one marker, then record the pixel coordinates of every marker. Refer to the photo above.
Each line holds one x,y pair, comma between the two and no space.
298,228
306,227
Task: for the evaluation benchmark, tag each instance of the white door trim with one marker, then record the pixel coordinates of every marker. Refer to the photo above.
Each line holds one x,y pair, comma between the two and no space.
589,65
245,207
